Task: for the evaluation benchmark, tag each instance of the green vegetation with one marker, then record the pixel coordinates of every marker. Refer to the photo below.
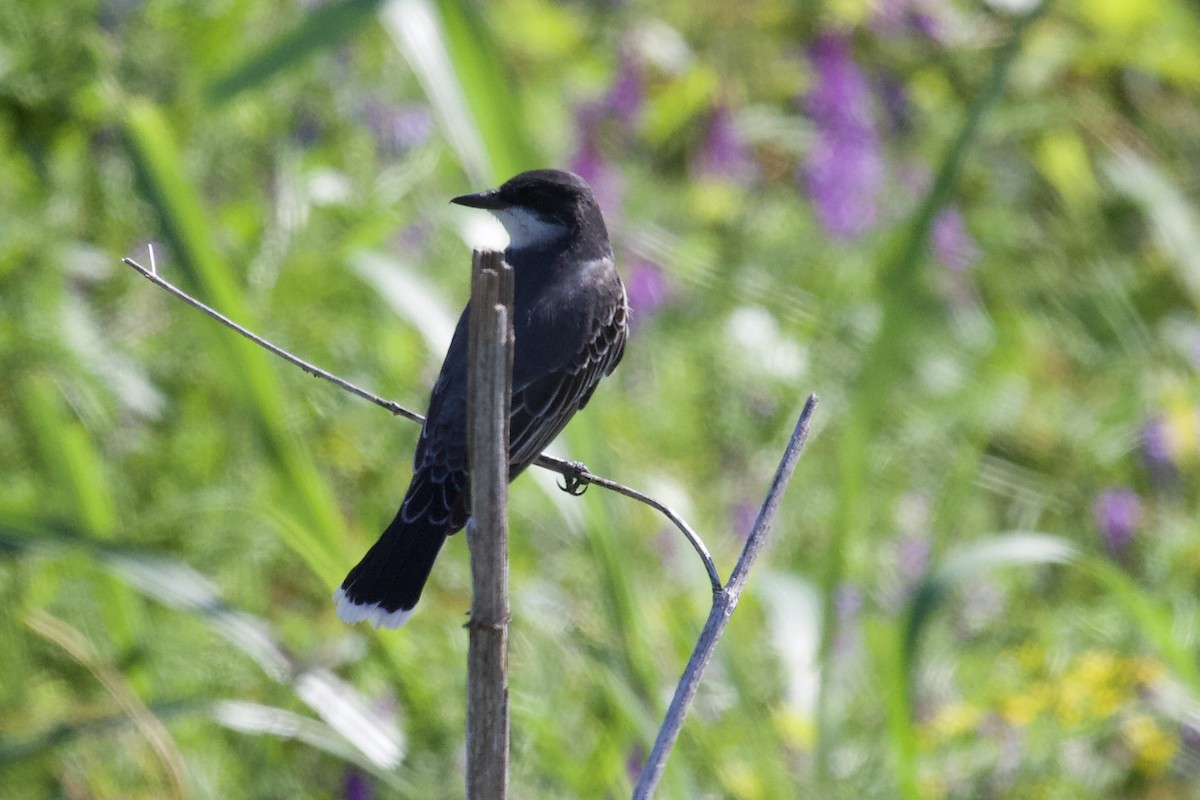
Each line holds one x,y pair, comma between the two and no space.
973,233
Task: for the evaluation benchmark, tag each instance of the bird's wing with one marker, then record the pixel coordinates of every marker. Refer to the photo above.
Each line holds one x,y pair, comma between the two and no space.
440,461
543,404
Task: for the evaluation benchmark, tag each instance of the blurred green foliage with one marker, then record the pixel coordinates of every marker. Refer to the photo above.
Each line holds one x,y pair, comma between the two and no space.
983,581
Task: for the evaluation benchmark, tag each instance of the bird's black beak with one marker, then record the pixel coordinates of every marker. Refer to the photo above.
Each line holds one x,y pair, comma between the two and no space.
489,200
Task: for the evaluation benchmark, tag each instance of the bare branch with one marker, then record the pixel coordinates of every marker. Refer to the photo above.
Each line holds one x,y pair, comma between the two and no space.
575,473
152,276
724,602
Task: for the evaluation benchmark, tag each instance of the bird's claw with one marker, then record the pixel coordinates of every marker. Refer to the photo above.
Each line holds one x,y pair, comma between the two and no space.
575,481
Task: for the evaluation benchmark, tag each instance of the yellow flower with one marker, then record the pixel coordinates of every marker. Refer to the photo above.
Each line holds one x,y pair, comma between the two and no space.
1153,748
1022,709
1096,668
1098,684
741,780
952,720
795,729
1146,672
1072,706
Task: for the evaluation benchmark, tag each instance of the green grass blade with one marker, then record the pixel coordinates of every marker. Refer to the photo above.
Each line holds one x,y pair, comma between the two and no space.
1172,218
418,32
462,75
73,466
16,750
884,641
256,718
1154,621
80,490
160,167
324,27
483,74
966,562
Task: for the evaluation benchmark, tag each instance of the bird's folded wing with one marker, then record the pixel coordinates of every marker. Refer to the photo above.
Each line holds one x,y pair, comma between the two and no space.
542,406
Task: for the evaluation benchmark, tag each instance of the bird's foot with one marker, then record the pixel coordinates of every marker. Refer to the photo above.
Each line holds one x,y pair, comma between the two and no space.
576,478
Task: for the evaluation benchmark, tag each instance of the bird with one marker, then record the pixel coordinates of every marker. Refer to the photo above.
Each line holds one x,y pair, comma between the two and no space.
570,323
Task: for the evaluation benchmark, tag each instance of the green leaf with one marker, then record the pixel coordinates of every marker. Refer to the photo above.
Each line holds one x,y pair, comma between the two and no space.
1172,218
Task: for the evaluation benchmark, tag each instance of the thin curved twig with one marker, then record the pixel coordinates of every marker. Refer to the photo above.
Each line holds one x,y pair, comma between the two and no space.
724,602
574,473
311,369
577,474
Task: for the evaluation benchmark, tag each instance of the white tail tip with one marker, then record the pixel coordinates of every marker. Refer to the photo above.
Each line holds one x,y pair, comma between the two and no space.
379,617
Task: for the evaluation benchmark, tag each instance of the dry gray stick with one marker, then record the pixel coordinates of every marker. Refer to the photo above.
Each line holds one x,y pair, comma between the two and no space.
724,602
575,473
489,395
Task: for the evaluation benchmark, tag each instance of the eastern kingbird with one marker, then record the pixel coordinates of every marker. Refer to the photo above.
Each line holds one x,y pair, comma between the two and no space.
570,319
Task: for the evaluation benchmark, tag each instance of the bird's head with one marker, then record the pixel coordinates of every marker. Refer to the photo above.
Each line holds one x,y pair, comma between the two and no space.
539,207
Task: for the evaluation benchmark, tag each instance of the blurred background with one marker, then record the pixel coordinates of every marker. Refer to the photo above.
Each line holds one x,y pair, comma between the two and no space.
970,227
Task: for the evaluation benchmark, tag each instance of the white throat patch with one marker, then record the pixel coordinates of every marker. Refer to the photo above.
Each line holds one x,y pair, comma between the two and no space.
526,228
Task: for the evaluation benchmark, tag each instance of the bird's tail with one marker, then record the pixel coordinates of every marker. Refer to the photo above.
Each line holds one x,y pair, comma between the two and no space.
385,586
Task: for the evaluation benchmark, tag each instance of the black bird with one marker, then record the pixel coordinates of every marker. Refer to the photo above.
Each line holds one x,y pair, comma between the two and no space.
569,321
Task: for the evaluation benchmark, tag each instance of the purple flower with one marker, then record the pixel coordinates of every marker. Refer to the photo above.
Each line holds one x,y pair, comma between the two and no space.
723,154
307,130
844,168
952,245
591,165
412,124
895,104
912,559
926,24
626,96
1117,512
745,514
848,602
648,289
894,18
910,556
1156,447
634,760
401,127
1189,735
355,786
415,236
